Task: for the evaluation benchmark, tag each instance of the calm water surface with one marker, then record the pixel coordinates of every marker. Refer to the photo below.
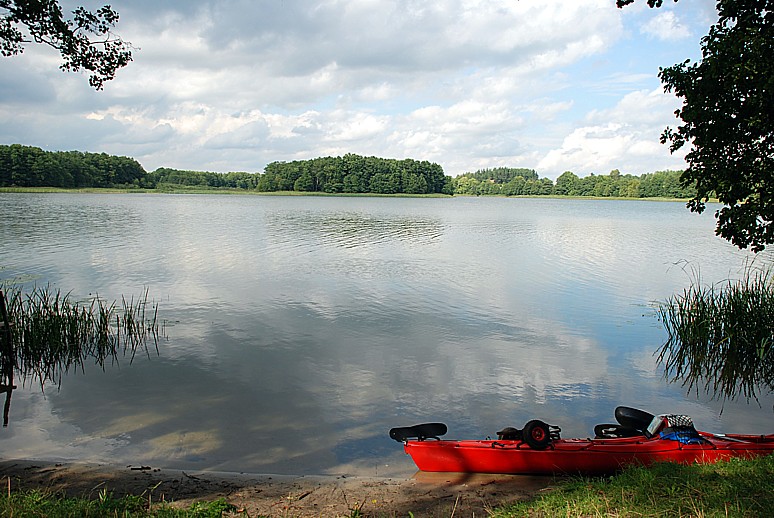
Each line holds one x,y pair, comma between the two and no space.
300,329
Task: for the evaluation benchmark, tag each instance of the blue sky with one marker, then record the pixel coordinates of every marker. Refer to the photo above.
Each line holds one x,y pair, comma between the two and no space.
231,85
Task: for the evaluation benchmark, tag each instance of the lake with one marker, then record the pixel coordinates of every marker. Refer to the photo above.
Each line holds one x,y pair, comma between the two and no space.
299,330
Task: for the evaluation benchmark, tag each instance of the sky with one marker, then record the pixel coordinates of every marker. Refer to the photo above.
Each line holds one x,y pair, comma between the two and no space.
232,85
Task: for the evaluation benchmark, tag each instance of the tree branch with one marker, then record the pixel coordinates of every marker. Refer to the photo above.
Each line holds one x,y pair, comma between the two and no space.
85,41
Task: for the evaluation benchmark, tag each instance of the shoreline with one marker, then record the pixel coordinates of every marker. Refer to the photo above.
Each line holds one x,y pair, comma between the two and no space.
423,494
248,192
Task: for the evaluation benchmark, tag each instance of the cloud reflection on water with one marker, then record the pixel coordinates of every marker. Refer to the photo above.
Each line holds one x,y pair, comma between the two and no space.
302,329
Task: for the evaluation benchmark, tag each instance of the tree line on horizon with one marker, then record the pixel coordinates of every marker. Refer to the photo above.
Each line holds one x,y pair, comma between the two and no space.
27,166
525,182
356,174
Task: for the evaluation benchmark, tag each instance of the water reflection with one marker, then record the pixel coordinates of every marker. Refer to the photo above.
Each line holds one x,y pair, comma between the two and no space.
352,229
304,328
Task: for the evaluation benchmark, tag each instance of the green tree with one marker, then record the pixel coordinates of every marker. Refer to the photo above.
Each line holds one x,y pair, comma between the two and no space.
85,41
382,183
565,184
414,183
353,173
728,120
515,187
501,175
304,183
332,179
465,184
267,182
546,186
489,188
354,183
27,166
630,187
585,186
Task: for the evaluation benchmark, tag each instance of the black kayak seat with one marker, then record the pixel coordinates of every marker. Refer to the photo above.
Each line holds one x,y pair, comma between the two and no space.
634,418
632,422
418,431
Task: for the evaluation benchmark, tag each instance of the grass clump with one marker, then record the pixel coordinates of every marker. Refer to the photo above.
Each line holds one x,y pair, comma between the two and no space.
51,333
743,488
721,337
51,505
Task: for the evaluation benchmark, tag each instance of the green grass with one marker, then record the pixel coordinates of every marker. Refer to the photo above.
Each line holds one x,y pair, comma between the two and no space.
52,505
739,488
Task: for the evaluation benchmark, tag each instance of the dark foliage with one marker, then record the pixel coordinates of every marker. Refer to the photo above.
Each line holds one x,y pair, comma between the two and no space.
728,120
356,174
235,180
85,40
25,166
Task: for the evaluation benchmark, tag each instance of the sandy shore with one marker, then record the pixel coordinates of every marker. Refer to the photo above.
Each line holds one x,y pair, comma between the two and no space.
425,494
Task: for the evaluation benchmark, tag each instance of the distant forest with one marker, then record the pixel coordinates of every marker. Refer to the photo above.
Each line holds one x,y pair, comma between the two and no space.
25,166
525,182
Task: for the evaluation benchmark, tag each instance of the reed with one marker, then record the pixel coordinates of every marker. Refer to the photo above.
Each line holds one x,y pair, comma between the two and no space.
720,338
53,334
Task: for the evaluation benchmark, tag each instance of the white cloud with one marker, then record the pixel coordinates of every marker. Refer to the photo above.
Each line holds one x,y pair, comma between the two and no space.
666,26
235,84
625,137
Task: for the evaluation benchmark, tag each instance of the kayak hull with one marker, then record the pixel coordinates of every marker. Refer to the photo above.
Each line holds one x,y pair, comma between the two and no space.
579,456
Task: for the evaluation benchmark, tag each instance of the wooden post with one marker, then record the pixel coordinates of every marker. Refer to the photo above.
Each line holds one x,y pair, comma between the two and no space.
6,358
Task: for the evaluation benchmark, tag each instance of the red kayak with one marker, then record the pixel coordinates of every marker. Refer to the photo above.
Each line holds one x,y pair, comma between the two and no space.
538,449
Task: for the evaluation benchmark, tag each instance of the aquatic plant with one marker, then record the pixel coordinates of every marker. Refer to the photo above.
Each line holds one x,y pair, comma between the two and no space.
721,337
52,333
